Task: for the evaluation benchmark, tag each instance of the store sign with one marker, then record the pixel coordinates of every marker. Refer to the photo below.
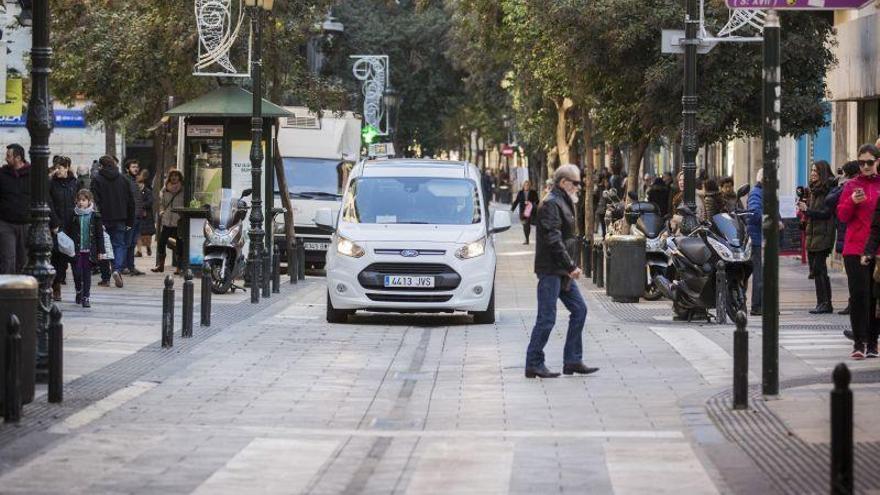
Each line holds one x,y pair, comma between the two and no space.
796,4
65,118
13,103
204,131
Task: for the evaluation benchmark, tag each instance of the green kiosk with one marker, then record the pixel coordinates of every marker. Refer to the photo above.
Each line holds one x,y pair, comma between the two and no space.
215,149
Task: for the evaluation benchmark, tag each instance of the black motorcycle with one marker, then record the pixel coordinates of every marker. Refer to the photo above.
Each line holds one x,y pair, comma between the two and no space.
721,244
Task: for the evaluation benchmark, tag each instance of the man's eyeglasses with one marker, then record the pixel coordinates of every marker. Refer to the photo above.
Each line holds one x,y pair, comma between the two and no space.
576,182
867,163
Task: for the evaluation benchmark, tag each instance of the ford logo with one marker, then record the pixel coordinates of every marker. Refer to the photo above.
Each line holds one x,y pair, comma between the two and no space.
409,253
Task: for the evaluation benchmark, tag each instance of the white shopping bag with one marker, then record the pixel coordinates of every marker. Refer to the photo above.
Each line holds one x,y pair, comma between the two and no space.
65,244
108,247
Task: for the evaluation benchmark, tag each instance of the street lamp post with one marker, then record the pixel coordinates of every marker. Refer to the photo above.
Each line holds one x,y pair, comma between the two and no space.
256,233
689,105
392,100
39,124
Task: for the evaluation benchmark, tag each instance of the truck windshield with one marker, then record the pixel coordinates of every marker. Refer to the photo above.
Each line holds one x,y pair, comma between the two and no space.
412,200
314,177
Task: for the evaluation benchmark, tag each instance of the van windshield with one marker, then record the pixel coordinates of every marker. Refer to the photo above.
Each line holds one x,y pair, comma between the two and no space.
412,200
314,177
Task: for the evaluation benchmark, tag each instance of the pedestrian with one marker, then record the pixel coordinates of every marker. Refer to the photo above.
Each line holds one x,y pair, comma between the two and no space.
659,195
133,235
820,232
527,201
15,201
148,223
856,208
171,197
557,272
63,187
113,197
82,175
849,171
729,200
755,206
87,232
712,202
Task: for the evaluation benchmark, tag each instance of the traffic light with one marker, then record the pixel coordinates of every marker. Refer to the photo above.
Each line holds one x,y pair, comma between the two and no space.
369,134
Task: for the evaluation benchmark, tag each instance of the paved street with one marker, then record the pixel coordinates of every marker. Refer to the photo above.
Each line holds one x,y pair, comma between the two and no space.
274,400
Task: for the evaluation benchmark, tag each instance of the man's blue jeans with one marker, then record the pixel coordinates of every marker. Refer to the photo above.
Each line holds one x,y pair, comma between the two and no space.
549,290
131,239
117,234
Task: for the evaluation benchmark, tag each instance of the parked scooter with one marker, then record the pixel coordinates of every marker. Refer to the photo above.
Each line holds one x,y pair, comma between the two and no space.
696,257
224,241
645,220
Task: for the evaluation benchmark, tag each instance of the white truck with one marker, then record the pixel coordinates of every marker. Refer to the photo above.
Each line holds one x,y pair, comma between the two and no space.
317,153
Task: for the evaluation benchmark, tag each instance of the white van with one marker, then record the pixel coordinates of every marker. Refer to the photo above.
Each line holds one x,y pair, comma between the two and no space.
412,236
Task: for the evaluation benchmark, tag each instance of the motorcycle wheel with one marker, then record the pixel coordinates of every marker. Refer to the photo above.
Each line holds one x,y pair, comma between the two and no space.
218,285
652,293
736,301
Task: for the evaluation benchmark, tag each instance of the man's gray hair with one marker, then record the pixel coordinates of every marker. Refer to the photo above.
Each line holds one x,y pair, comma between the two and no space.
567,171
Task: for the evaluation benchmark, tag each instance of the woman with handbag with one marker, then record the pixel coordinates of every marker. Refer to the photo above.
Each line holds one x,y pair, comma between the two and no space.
527,200
819,230
63,187
172,197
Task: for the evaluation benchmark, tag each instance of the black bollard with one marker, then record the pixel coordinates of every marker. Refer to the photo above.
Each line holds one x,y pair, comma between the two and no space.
186,327
595,262
267,274
56,356
721,293
741,362
841,433
206,296
292,264
301,256
600,267
276,272
168,313
12,384
587,251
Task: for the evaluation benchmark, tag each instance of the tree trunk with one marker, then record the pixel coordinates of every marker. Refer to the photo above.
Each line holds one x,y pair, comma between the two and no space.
636,153
589,168
289,231
110,138
563,142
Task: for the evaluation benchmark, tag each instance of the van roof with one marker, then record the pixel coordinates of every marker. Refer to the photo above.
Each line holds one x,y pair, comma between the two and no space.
417,167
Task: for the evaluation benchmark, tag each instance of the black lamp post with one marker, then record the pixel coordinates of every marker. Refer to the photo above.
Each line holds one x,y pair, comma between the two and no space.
392,100
40,121
256,233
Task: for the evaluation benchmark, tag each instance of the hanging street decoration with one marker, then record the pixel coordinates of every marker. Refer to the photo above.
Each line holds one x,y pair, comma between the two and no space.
219,24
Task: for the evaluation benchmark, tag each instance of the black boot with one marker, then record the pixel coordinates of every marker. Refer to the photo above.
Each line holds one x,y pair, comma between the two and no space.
823,297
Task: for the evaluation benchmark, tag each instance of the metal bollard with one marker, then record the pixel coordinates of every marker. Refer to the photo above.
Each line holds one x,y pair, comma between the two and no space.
600,267
276,272
595,263
741,362
186,327
267,274
721,293
56,356
841,433
168,313
301,256
292,264
12,391
206,296
587,253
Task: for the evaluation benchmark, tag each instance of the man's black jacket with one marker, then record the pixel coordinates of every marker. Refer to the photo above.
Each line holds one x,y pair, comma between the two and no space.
15,194
557,242
113,196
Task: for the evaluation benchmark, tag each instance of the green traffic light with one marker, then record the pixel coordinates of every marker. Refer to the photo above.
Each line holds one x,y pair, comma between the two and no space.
369,134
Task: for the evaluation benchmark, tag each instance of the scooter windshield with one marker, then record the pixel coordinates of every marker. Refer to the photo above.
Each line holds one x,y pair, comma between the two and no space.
729,227
225,215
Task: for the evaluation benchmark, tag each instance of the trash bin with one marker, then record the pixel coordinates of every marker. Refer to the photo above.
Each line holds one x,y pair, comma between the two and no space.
18,295
625,278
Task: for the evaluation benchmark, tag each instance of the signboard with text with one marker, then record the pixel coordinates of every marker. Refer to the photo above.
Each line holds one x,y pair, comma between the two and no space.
64,118
796,4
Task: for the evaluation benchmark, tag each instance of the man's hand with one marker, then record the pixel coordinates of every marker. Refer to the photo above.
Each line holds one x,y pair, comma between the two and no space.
575,274
858,196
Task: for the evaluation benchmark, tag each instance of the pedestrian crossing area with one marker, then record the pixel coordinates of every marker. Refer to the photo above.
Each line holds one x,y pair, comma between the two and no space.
822,350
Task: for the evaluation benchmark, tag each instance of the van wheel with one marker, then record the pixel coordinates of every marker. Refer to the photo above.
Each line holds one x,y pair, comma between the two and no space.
486,317
336,315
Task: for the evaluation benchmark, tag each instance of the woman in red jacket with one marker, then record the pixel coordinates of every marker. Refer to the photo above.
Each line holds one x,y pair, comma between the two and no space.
856,208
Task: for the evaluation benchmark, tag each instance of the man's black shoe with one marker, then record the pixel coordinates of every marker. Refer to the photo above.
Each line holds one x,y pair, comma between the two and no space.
541,372
580,368
822,309
844,311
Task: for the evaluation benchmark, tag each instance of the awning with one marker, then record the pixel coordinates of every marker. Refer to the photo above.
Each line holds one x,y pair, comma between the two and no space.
226,101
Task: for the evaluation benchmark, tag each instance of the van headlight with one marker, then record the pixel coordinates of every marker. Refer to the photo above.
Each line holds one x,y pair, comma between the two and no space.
472,250
348,248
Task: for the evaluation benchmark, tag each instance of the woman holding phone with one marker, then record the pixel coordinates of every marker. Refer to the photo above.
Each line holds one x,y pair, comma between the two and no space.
856,209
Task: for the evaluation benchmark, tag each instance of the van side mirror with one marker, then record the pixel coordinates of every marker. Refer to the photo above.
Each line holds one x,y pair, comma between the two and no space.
500,221
324,220
743,190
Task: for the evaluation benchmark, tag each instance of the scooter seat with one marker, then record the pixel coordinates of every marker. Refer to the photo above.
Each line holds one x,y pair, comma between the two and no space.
695,250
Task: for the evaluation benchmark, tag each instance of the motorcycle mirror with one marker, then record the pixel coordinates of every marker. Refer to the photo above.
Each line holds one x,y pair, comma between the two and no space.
743,190
684,210
633,196
246,193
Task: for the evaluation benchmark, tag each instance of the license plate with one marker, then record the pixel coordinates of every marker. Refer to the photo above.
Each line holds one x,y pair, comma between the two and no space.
316,246
409,281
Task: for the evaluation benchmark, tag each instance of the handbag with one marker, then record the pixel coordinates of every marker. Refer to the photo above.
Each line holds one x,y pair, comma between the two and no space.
108,247
877,273
527,210
65,244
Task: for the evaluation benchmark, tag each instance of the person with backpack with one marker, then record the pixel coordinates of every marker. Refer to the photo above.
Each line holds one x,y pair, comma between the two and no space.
115,201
